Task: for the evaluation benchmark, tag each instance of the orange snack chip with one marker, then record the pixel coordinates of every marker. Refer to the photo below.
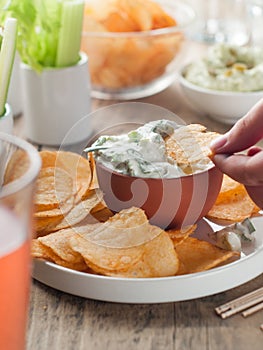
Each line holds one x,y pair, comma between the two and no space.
233,202
53,188
16,166
179,235
189,146
196,256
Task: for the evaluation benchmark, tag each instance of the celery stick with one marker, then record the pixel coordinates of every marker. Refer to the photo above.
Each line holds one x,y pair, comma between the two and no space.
7,55
70,33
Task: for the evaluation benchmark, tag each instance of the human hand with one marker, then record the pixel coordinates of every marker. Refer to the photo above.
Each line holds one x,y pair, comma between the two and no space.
246,168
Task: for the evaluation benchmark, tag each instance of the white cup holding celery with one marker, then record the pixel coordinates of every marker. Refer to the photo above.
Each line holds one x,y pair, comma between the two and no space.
54,101
54,73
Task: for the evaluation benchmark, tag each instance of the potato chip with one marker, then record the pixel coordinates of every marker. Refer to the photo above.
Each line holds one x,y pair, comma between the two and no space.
63,209
53,187
179,235
79,169
152,259
132,217
196,256
104,259
55,247
130,15
230,189
159,259
128,228
162,20
63,194
44,225
96,217
79,211
38,250
46,220
58,242
113,249
233,202
16,166
48,159
74,164
147,14
189,147
101,212
137,13
228,184
94,179
234,210
119,22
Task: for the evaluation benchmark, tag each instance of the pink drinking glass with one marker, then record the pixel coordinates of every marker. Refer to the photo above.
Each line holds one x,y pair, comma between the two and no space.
19,166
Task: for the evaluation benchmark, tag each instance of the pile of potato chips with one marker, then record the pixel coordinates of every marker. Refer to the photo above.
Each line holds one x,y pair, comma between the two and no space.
65,194
123,61
75,229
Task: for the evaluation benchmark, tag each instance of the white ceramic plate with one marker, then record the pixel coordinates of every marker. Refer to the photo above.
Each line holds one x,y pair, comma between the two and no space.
159,290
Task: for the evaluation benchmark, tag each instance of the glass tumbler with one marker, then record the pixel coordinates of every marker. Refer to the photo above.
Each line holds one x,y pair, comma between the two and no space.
19,166
221,21
255,11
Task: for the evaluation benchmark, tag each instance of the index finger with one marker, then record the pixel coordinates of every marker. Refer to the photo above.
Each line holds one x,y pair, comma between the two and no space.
244,134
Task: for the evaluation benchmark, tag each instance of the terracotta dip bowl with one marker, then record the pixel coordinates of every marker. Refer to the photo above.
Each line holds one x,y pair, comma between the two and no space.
168,202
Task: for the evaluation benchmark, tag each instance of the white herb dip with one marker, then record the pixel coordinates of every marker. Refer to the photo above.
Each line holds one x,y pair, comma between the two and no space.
140,152
228,68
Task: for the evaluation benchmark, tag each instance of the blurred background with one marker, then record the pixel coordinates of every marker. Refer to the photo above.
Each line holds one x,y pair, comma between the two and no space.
235,22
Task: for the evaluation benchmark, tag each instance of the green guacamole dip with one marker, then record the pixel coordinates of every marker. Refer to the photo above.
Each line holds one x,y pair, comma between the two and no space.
228,68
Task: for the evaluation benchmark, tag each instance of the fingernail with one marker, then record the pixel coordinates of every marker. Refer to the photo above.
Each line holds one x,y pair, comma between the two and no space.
218,143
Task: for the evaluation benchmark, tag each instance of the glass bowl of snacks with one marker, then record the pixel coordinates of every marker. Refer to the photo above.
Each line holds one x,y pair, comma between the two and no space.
134,47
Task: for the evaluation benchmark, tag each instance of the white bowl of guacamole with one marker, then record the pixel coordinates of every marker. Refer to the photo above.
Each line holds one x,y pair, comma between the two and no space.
226,83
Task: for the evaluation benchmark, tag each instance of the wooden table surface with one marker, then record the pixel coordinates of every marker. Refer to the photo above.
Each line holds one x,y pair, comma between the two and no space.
59,321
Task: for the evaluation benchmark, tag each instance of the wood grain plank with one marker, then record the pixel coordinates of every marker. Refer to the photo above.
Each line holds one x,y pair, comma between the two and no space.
62,321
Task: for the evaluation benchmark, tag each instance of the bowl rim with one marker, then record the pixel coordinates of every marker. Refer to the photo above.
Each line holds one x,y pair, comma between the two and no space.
199,173
31,173
154,32
8,114
183,81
